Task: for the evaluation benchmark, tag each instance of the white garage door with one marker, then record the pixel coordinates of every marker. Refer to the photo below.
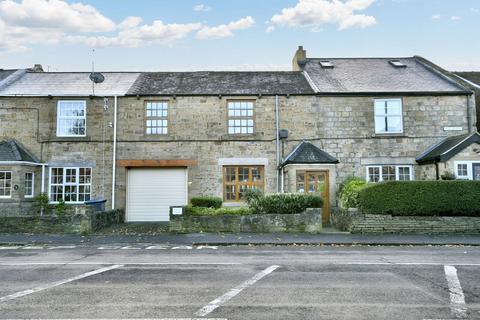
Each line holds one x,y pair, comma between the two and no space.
151,192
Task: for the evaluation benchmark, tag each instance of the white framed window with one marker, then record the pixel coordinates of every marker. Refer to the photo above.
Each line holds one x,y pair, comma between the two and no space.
467,170
71,118
72,185
388,116
29,184
240,117
389,173
5,184
156,117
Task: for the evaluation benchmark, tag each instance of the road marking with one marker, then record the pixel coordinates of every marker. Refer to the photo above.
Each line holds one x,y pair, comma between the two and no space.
61,247
207,247
33,248
232,293
457,299
129,319
157,247
109,247
10,248
57,283
182,248
130,248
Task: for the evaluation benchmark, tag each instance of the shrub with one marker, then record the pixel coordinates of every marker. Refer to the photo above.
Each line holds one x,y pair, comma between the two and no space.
41,204
252,194
448,176
206,202
202,211
284,203
350,191
422,198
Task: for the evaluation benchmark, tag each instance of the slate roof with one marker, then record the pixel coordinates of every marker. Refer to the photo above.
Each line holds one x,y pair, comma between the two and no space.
307,153
472,76
69,84
5,73
448,148
12,150
378,75
220,83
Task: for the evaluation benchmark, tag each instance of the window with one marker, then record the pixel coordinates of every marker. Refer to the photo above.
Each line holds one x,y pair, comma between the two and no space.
72,185
71,118
157,118
389,173
5,184
388,116
29,183
237,180
240,117
462,171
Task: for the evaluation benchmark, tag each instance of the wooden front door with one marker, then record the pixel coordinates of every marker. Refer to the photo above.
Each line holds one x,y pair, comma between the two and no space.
316,182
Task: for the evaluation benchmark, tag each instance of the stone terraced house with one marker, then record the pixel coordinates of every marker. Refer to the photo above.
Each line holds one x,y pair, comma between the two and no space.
160,138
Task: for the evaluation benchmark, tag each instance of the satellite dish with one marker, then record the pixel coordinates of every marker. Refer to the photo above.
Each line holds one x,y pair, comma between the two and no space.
97,77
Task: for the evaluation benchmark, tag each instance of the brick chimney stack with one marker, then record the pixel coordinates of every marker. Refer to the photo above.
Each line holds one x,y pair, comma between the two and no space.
37,68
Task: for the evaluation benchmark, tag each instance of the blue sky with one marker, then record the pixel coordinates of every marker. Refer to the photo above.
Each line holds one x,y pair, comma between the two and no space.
232,34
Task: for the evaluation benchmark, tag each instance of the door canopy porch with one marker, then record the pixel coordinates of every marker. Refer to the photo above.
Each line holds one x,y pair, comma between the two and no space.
307,153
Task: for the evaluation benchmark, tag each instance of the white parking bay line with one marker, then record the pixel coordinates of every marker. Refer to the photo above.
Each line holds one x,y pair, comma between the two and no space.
57,283
129,319
457,299
232,293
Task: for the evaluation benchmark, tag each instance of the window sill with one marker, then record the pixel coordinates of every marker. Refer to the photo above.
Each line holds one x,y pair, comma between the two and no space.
68,139
389,135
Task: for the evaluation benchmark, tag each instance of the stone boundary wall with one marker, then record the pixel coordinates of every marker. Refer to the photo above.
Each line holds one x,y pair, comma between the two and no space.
83,221
309,221
375,224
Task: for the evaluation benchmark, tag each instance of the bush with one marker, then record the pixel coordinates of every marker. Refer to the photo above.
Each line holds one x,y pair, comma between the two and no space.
422,198
41,204
202,211
350,191
206,202
284,203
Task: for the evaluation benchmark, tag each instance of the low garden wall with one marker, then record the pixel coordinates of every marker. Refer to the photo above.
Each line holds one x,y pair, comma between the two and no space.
375,223
78,220
309,221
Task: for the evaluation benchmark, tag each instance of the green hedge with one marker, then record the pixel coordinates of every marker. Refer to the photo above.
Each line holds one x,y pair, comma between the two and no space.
422,198
349,191
283,203
202,211
206,202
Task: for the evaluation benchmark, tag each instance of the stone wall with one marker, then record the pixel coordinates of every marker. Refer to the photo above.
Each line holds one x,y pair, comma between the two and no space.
374,224
309,221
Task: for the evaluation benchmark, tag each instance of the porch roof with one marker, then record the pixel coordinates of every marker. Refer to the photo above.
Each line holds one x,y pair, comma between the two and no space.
12,151
307,153
447,148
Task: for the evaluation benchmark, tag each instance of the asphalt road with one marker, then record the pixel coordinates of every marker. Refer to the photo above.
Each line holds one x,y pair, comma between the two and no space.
165,282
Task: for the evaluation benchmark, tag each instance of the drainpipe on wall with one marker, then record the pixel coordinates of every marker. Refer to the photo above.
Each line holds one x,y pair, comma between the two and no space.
277,149
437,173
114,156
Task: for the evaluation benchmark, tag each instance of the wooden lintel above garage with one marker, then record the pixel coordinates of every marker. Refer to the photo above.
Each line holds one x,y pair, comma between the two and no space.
167,163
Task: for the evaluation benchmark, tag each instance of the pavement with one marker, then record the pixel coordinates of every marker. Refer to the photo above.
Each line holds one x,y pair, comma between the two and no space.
334,238
240,282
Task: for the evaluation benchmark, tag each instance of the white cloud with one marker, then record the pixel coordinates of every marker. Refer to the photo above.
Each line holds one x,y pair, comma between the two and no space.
455,18
24,23
315,13
270,29
225,30
436,16
54,14
202,8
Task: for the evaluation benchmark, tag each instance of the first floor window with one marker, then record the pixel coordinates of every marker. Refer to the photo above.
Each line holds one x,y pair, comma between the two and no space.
388,116
5,184
71,118
157,118
240,117
29,184
238,179
70,184
389,173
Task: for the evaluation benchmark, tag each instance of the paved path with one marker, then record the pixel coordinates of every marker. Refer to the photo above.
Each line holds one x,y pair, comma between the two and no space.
255,282
227,239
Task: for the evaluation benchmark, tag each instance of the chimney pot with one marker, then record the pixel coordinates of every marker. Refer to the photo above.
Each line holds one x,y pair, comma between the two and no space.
38,68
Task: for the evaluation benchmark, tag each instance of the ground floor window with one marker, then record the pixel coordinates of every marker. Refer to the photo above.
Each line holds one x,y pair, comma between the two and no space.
29,184
5,184
72,185
467,170
389,173
238,179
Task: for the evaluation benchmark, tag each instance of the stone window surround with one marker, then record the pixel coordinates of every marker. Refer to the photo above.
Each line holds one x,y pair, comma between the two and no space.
59,118
469,164
3,183
385,117
77,183
32,184
237,183
397,171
